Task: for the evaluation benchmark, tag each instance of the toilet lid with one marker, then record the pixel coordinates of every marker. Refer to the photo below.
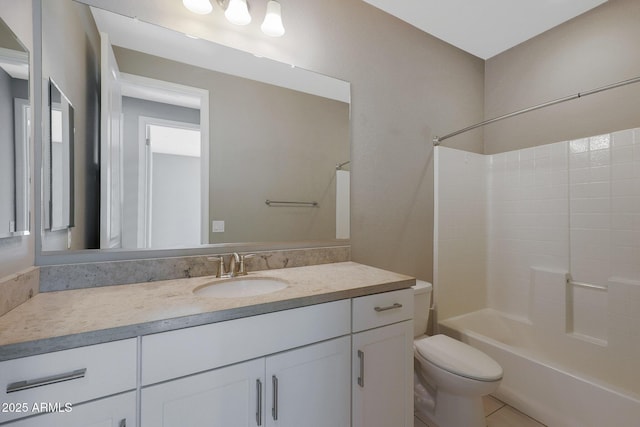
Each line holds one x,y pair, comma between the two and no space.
458,358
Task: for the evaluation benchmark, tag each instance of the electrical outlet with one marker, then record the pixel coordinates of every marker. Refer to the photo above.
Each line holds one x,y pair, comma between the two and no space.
217,226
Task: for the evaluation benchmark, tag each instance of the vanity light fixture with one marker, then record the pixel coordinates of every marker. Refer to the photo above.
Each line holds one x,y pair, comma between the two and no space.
272,25
238,12
201,7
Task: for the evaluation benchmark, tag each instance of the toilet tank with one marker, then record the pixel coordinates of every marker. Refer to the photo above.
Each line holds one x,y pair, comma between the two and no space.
421,305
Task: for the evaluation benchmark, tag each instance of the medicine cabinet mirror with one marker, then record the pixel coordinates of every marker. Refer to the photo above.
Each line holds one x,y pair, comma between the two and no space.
15,134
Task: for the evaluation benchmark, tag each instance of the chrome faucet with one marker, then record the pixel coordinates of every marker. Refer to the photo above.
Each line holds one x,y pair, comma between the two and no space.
220,272
237,266
234,263
242,268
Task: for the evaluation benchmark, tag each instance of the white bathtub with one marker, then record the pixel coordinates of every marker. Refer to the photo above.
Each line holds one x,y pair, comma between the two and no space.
558,379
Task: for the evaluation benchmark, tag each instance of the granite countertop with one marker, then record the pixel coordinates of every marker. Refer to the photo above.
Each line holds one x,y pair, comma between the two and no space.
61,320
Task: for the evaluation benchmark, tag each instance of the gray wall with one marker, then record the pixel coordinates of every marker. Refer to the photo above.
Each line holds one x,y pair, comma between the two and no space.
590,51
266,142
17,253
406,87
71,57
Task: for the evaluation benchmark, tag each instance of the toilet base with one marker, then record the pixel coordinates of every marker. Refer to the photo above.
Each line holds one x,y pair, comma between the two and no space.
453,411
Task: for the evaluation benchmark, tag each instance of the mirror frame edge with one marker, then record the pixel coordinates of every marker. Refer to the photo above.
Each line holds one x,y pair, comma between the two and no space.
38,133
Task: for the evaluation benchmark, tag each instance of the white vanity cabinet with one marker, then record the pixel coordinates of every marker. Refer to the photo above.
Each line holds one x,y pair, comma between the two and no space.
310,386
307,387
224,397
60,382
287,368
382,374
337,364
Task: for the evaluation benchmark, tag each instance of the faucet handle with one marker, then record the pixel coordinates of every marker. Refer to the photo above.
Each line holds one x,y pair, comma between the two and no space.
220,260
242,270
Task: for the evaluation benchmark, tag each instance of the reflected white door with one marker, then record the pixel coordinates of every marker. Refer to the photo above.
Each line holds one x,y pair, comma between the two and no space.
173,205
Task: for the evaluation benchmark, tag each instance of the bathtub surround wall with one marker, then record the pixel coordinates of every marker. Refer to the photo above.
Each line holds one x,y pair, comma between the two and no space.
570,207
89,275
528,223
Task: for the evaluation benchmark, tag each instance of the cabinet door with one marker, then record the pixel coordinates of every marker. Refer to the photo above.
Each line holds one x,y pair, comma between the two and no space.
309,386
116,411
383,376
226,397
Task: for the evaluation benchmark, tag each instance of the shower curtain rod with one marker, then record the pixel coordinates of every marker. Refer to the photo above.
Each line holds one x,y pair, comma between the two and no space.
438,139
340,165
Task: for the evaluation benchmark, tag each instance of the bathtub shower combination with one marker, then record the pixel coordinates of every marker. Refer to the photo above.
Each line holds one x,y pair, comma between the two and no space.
537,264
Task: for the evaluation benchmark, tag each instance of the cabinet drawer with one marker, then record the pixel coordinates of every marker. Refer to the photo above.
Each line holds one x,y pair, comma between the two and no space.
68,376
114,411
376,310
187,351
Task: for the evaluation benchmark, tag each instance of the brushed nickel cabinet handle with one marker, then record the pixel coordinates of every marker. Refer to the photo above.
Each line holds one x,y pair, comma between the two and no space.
274,407
361,376
259,405
39,382
389,307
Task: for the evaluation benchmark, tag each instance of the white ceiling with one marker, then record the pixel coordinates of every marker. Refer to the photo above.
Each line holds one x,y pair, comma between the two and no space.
485,28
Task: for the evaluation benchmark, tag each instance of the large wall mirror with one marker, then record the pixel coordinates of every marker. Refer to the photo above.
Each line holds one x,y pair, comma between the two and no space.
15,134
181,142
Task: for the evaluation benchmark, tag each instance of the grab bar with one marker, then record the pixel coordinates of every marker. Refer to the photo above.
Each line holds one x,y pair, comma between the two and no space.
571,282
276,203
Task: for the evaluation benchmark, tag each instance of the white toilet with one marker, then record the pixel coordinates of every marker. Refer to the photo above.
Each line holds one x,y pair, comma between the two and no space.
450,377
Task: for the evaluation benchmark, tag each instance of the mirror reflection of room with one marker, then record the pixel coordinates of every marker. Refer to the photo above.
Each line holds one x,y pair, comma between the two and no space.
256,138
15,116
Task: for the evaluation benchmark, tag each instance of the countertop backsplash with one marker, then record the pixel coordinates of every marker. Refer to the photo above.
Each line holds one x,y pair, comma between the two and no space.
89,275
18,288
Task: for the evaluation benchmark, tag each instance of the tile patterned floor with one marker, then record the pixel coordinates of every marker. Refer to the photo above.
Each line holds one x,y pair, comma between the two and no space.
498,415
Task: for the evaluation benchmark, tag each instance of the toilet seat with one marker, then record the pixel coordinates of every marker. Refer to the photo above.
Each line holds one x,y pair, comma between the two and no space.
458,358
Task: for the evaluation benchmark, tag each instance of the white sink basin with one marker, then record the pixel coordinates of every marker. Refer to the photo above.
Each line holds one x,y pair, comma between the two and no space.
240,287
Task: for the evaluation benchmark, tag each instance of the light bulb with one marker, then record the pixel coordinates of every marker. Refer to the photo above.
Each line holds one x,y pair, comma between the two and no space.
272,25
201,7
238,12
